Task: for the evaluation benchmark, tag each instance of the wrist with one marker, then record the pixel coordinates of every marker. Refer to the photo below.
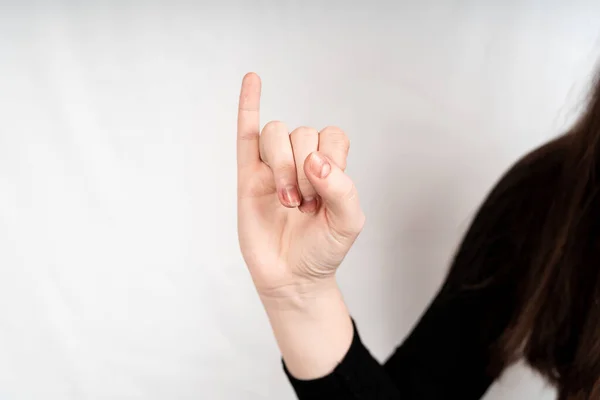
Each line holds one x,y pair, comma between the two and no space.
312,327
301,296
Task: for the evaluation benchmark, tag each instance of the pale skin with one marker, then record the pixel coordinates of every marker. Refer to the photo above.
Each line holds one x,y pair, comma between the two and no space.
298,215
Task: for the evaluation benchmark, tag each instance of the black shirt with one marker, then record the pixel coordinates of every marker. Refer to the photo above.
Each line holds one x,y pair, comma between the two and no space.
448,355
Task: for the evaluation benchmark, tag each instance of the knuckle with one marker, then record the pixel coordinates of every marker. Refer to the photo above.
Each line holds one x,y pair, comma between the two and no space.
346,229
273,126
358,219
332,129
355,225
346,234
351,194
303,132
336,137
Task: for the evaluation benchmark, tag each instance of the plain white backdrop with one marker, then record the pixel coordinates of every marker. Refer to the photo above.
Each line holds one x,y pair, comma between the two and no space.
120,274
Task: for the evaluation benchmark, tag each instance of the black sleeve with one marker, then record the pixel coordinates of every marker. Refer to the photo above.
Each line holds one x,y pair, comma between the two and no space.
449,354
358,376
444,357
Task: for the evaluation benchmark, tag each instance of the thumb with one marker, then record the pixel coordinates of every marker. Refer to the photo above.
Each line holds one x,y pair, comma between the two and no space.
338,193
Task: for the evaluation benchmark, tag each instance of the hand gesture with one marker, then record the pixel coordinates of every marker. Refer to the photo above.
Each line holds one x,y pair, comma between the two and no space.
298,212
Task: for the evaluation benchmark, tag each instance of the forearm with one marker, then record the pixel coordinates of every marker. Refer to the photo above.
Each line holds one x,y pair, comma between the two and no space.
312,327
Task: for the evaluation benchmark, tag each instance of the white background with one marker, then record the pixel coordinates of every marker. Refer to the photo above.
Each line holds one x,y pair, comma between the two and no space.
120,274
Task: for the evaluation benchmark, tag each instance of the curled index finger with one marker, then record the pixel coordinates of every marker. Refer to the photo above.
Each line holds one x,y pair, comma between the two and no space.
248,125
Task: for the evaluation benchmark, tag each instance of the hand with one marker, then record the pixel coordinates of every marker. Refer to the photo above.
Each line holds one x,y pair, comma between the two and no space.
298,212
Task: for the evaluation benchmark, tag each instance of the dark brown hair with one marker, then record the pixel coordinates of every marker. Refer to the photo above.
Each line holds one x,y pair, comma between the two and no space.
536,240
